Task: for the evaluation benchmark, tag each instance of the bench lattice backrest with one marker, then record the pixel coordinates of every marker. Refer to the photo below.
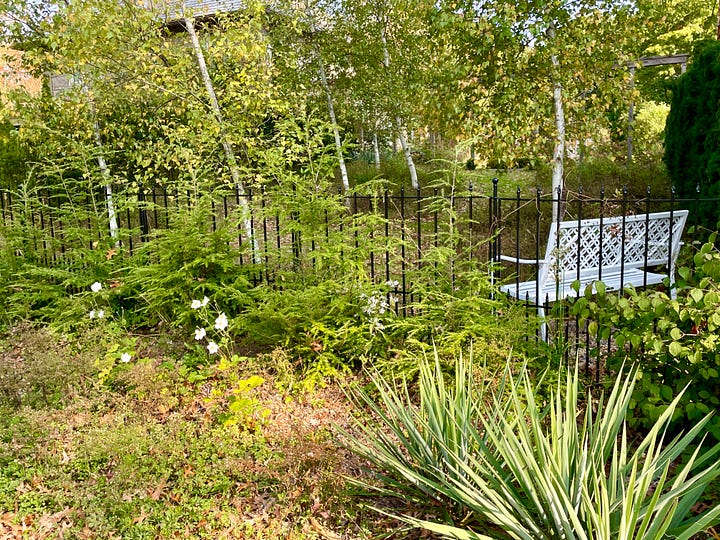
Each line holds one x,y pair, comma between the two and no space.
581,247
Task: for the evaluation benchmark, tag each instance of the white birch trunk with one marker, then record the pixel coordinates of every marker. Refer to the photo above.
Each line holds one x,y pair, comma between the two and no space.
227,147
376,150
398,123
559,150
104,170
336,130
112,219
558,163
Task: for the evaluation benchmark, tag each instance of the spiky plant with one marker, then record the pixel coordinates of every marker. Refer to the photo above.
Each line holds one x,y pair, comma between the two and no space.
524,471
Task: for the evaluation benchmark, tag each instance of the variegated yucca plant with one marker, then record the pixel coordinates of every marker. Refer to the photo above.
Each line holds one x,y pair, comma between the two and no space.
498,464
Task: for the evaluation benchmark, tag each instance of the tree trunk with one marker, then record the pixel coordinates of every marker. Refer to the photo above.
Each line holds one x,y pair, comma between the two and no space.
112,218
227,147
336,130
398,122
376,150
558,162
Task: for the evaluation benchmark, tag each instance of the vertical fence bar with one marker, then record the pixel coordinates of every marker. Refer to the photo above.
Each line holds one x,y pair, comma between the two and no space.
671,226
492,227
257,277
263,203
436,228
402,251
42,229
341,224
538,202
623,238
142,214
602,230
129,229
239,223
214,218
578,262
471,228
373,210
156,223
386,215
517,241
647,233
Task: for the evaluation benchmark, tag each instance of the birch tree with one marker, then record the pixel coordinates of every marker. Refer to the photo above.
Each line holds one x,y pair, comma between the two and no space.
227,146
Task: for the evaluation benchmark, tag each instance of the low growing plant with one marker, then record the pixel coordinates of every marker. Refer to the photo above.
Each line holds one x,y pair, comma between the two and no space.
674,342
510,467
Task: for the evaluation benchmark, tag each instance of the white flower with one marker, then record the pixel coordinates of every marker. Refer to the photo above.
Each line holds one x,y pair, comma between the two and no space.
92,313
221,323
205,301
212,347
96,287
196,304
199,333
100,313
125,357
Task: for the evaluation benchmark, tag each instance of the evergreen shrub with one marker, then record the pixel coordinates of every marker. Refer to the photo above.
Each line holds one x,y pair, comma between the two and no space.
692,132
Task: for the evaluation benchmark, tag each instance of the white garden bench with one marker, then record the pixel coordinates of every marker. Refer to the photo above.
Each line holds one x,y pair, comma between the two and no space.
619,251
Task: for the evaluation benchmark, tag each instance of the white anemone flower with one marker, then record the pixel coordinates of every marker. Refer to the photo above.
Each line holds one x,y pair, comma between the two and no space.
96,287
200,333
92,313
125,357
196,304
100,313
221,323
212,347
205,301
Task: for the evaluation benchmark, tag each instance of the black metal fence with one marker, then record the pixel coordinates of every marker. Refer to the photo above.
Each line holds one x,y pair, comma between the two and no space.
396,236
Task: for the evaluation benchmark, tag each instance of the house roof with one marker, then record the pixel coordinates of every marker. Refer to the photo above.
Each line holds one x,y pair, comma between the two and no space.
173,10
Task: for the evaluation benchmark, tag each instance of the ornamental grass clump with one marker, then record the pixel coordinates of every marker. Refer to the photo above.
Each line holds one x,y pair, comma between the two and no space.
501,465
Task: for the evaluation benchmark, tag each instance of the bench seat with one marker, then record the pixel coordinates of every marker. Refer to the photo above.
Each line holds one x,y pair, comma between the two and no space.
551,291
637,250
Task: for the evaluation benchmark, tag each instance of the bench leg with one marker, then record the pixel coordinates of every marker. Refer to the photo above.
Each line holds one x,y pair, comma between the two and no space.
543,324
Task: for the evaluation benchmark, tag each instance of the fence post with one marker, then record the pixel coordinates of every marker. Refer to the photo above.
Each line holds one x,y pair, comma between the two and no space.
671,226
144,227
492,223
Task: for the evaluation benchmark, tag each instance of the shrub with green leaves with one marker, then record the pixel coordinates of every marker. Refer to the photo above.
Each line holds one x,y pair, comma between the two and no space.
501,465
674,342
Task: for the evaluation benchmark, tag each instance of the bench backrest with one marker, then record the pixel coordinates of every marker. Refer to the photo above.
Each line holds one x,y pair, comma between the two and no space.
577,247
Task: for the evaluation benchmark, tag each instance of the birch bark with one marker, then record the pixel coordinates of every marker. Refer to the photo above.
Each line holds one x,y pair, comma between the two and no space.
227,147
104,170
398,122
336,130
376,150
112,219
558,162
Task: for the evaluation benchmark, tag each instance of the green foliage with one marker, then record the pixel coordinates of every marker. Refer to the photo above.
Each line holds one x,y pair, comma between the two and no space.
674,342
692,133
509,467
613,176
649,131
188,260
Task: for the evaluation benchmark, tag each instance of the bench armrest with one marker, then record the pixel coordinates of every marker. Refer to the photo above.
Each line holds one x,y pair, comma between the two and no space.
522,261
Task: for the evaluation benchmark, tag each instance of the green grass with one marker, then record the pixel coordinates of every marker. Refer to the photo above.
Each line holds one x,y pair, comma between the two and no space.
149,458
